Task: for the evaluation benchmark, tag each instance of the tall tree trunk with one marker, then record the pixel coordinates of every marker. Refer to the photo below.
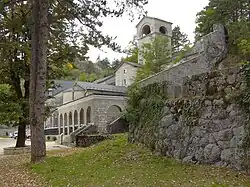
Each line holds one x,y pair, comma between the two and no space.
21,135
38,69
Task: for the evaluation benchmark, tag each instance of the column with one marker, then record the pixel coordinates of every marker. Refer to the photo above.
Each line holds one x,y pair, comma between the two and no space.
63,124
59,124
73,121
85,117
52,121
68,122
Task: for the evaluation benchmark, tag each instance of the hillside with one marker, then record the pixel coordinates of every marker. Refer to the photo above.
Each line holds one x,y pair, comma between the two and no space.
117,163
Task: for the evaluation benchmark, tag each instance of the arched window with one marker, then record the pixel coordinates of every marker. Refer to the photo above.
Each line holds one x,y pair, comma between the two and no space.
65,120
163,30
146,30
81,116
61,120
70,118
75,118
89,115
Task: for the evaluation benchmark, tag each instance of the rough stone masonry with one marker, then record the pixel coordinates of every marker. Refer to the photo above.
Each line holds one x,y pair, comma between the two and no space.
202,121
204,124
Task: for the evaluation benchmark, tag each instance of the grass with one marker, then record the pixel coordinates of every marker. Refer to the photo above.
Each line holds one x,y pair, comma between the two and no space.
117,163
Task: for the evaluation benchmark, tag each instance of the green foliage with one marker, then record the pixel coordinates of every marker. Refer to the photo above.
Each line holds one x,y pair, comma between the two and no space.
132,52
10,106
65,44
156,54
118,163
233,14
145,108
180,55
179,40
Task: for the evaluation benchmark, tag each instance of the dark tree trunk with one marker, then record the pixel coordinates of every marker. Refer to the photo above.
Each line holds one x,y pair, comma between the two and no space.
21,135
38,69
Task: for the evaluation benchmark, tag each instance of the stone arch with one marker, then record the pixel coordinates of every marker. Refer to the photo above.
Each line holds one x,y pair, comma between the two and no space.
163,30
75,118
88,114
113,113
145,30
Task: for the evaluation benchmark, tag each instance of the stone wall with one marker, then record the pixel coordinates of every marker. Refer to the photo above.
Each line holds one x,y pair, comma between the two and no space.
204,123
118,126
205,56
88,140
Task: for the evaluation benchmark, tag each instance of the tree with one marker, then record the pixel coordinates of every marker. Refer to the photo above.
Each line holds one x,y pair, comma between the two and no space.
156,55
235,15
38,75
103,63
132,52
65,44
179,40
11,111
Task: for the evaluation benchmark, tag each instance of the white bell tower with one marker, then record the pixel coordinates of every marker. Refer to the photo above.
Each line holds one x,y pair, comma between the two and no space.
148,28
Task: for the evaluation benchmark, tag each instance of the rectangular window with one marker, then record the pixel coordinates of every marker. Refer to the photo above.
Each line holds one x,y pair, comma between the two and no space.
125,71
125,82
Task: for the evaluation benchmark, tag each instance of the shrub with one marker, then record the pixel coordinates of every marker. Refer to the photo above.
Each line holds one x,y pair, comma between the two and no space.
48,138
54,138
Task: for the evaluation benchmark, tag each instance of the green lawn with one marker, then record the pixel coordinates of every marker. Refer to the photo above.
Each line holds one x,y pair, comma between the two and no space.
116,163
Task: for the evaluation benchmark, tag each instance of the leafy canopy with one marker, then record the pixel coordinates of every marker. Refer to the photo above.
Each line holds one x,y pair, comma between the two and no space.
234,15
156,55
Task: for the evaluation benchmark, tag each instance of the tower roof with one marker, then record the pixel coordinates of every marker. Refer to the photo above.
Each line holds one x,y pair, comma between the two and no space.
148,17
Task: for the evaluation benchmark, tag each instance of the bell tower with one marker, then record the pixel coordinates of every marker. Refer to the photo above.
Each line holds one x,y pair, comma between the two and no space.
148,28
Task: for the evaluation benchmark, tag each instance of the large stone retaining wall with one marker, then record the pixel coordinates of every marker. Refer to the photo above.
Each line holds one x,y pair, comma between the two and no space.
203,123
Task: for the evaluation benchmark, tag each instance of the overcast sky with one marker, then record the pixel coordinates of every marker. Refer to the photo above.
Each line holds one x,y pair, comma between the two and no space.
179,12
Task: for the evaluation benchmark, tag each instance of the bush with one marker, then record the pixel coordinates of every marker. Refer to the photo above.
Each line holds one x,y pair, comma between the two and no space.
54,138
48,138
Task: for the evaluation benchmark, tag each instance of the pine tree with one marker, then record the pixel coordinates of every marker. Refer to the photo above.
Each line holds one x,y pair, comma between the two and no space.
179,40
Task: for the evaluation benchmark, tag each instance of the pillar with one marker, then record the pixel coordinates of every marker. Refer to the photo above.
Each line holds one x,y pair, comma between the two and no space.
63,124
59,124
52,121
68,122
73,121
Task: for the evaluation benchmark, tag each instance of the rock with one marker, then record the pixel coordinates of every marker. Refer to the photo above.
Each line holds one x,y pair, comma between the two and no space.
208,103
225,135
204,142
238,131
226,155
223,144
233,142
166,121
187,159
212,153
231,107
231,79
218,102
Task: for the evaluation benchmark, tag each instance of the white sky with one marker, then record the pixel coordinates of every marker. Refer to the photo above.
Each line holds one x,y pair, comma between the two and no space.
179,12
